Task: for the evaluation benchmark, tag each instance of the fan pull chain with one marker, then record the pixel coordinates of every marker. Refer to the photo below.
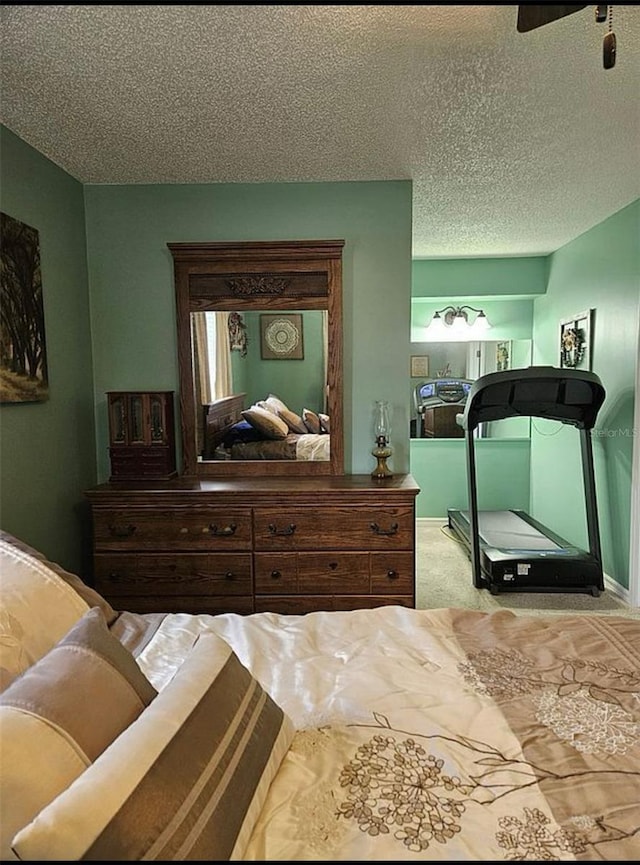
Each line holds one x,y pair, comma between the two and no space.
609,44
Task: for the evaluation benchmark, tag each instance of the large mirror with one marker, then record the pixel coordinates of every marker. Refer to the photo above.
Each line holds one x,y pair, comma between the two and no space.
260,356
449,369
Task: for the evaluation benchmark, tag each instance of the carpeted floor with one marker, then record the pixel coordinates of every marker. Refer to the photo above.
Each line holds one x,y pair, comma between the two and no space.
443,579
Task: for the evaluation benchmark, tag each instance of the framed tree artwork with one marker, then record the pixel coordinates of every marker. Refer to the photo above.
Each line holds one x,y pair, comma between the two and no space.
23,353
575,341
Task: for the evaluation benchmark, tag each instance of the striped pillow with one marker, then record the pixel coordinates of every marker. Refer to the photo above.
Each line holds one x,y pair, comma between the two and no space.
60,714
187,780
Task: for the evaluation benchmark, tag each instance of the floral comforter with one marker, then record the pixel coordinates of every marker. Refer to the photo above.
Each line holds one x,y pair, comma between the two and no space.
441,734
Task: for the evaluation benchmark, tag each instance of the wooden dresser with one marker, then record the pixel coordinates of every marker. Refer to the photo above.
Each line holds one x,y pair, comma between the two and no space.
244,545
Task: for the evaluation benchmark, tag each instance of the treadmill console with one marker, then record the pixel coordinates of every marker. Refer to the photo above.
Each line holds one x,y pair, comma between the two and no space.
441,390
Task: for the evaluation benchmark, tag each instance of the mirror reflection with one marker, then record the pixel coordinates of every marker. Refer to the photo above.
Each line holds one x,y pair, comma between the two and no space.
450,369
260,385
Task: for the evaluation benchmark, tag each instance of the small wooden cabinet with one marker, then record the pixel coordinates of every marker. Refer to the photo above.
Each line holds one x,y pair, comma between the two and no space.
141,435
285,545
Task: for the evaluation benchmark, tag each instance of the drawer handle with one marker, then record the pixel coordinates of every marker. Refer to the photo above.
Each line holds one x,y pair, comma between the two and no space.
392,575
378,531
225,532
229,575
275,575
333,566
273,530
122,531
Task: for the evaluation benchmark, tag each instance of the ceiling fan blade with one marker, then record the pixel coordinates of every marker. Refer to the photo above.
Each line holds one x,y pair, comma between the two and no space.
530,17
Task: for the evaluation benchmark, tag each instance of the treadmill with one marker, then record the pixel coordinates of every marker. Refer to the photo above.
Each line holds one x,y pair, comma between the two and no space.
509,550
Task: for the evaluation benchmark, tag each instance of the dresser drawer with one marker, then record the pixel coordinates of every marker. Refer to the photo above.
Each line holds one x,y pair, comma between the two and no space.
120,575
195,604
276,572
180,529
392,573
312,573
337,528
299,604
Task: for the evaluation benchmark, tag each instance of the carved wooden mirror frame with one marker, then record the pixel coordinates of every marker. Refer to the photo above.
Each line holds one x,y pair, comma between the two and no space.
265,276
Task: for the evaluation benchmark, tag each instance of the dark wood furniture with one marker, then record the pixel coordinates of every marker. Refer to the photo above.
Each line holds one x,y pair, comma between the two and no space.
141,435
270,276
244,545
440,421
218,418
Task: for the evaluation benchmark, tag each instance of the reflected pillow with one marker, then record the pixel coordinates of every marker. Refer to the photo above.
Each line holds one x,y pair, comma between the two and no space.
325,423
311,420
275,404
293,421
270,425
242,431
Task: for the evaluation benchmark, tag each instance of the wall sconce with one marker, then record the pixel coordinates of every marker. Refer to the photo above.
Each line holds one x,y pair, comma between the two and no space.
455,323
382,432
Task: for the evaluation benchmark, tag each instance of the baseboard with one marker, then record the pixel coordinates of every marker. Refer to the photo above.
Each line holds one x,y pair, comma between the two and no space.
614,588
432,521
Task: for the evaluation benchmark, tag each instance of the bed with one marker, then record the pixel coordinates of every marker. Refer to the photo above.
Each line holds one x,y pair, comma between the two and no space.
268,430
381,734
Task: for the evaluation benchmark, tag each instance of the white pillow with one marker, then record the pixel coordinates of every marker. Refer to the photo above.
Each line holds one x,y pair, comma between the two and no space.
37,607
275,403
204,752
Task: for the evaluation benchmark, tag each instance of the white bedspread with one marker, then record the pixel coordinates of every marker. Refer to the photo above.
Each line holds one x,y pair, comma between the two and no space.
312,446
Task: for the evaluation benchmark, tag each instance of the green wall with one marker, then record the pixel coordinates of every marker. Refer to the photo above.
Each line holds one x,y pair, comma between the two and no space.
440,469
299,383
47,449
599,270
132,292
474,277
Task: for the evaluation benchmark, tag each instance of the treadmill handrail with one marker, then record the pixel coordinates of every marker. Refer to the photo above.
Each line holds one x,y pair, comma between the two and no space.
571,396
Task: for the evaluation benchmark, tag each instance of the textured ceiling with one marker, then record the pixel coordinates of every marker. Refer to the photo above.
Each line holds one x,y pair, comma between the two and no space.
515,143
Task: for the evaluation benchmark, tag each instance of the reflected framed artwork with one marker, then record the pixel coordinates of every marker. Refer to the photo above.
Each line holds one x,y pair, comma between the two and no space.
281,336
503,355
420,366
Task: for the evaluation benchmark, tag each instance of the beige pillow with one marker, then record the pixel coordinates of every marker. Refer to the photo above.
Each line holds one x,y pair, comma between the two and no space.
204,753
37,608
311,420
293,421
60,714
267,423
93,598
325,422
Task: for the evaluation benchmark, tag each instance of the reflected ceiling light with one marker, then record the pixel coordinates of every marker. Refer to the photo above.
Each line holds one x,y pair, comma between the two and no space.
453,322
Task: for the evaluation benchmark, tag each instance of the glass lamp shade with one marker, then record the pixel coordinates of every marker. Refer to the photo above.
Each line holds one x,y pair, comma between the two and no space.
382,431
459,323
381,422
481,324
436,327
